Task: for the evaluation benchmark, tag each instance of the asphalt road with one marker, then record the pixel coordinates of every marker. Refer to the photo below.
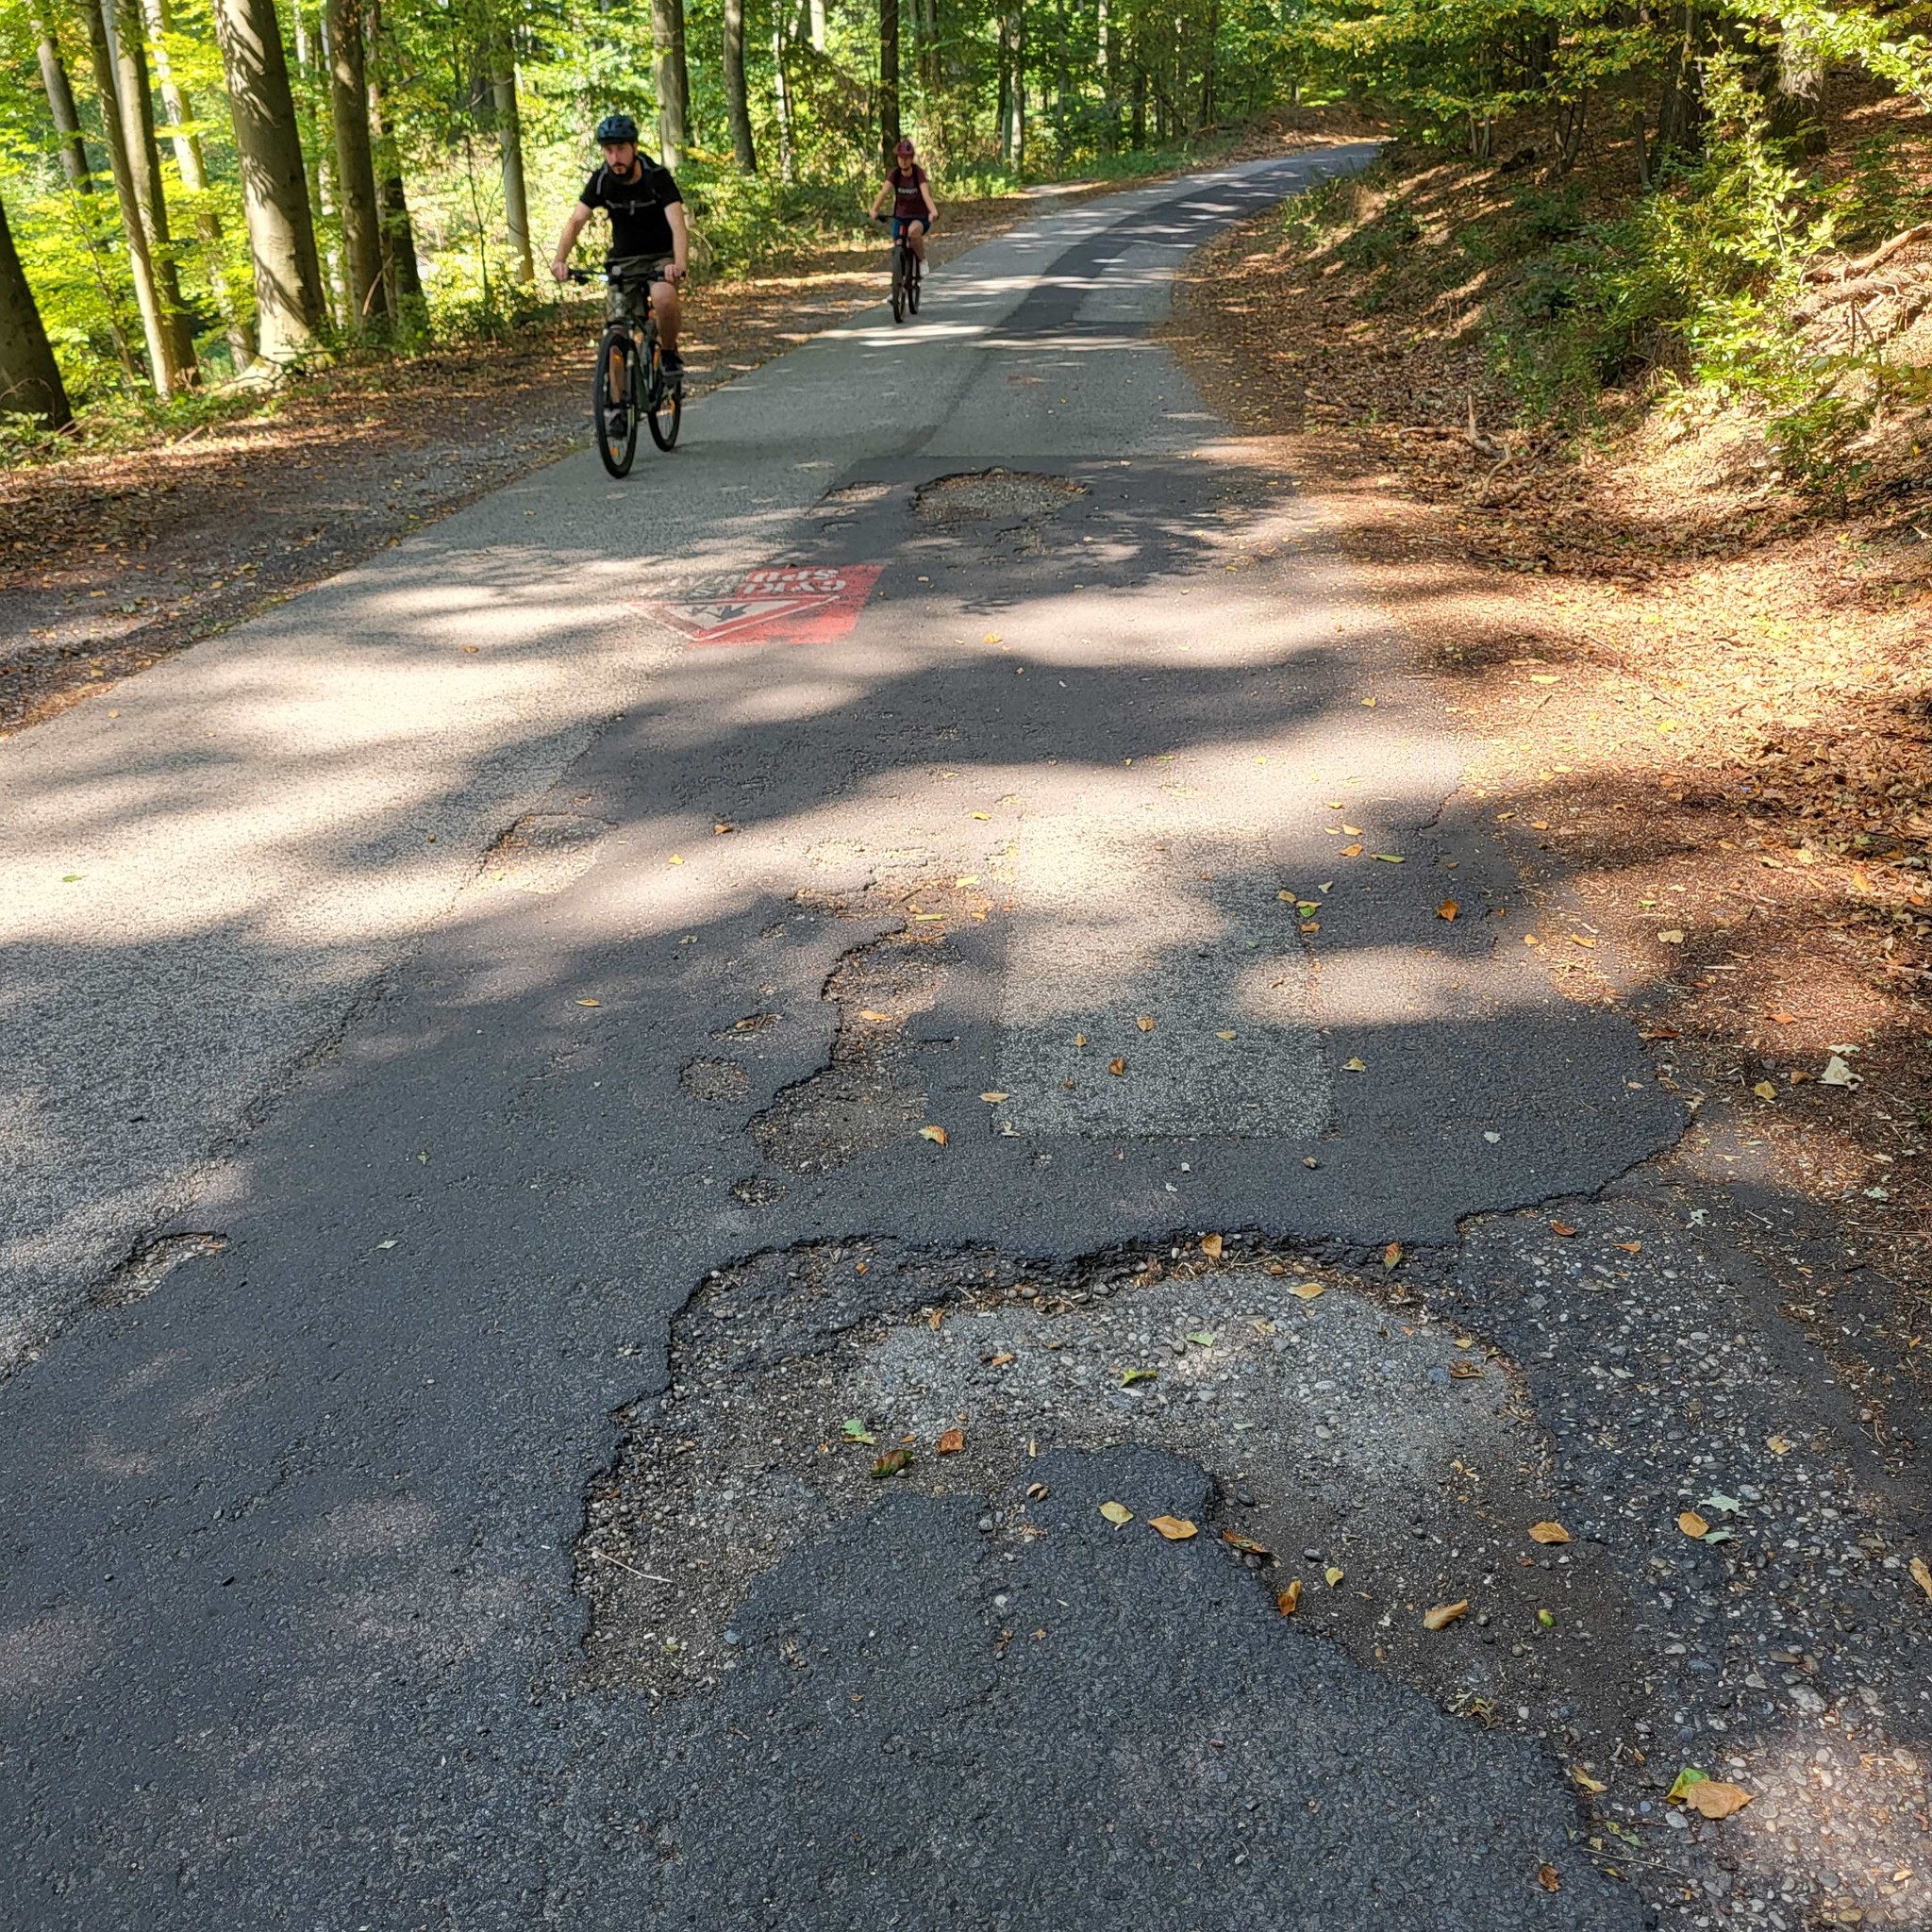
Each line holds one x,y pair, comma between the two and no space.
500,1086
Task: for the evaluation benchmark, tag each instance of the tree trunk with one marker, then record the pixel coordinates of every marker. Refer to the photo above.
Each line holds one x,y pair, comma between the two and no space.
672,81
815,13
889,78
193,167
29,377
782,89
348,80
73,162
162,369
126,31
1676,114
736,106
274,191
510,141
1797,102
401,277
311,67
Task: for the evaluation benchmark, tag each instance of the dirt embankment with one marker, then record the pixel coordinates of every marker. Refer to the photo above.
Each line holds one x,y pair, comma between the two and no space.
1700,704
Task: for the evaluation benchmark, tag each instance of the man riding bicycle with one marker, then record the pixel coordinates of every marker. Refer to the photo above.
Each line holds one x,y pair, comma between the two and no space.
649,241
909,189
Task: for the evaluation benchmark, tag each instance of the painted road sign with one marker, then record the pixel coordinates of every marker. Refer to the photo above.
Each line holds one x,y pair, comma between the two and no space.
782,603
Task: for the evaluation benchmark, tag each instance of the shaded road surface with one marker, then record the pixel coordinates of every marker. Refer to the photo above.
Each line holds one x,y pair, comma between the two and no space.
471,1188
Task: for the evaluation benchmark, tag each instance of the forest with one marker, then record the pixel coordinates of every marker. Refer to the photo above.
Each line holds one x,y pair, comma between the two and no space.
199,192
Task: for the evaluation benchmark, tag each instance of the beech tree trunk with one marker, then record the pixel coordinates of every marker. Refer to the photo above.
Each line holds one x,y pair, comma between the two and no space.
274,190
348,80
673,82
735,105
153,325
31,381
66,117
194,169
509,141
400,273
889,78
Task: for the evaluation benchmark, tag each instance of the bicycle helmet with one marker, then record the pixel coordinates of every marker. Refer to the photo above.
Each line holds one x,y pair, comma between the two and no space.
616,127
905,150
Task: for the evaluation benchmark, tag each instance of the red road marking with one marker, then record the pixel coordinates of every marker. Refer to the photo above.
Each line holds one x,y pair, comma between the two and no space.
783,603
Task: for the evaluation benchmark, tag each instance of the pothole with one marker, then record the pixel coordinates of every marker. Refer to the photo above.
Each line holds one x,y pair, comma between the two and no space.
542,852
982,497
1377,1458
149,1265
715,1080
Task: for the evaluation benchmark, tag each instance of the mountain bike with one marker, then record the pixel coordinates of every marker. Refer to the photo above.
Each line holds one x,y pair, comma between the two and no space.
905,276
631,379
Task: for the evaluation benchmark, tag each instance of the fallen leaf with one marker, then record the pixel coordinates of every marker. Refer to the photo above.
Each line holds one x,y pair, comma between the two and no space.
1245,1544
1350,852
1223,1036
1145,1022
950,1443
1037,1493
1134,1376
1177,1529
1079,1039
1692,1524
1355,1064
937,1135
1586,1781
1465,1371
1548,1533
1920,1575
1765,1090
1779,1445
1673,938
1708,1796
1444,1614
1546,1876
1211,1246
676,858
1117,1068
1447,910
993,1099
722,826
1116,1513
1629,1247
1290,1600
872,1013
999,1360
590,1003
892,1462
1783,1019
1561,1227
934,1320
1332,1576
1837,1073
992,636
1388,858
1201,1337
1305,1291
855,1431
1578,939
1391,1255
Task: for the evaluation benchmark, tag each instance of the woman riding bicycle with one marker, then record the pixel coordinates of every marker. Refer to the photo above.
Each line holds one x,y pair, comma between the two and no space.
909,189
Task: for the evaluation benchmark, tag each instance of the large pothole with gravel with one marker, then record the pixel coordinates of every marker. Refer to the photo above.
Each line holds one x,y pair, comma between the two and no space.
1372,1456
994,496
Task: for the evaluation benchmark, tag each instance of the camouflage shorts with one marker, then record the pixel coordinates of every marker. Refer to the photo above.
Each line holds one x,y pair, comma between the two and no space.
626,301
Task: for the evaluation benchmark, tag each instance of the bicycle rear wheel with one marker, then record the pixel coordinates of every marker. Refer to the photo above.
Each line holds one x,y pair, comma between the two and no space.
614,400
663,399
899,282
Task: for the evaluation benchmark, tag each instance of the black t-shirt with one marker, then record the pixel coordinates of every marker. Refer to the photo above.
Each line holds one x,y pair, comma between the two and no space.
638,223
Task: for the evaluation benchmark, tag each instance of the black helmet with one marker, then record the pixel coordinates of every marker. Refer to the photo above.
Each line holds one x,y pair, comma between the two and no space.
616,127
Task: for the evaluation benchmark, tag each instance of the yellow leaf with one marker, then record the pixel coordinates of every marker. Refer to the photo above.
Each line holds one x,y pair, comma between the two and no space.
1290,1600
590,1003
934,1134
1586,1781
1225,1036
676,858
1673,938
1765,1090
1332,1575
992,636
1391,1255
1305,1291
1712,1798
1145,1022
1116,1513
1177,1529
1355,1064
1692,1524
1352,851
1353,831
982,816
1578,939
971,879
1548,1533
950,1443
1922,1575
1447,910
1079,1039
994,1098
1779,1445
873,1014
1210,1247
1444,1614
1117,1068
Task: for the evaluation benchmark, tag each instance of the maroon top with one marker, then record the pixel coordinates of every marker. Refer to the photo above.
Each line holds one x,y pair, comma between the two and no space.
908,204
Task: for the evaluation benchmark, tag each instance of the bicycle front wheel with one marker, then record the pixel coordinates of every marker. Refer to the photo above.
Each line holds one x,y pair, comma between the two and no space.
614,400
899,284
664,401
